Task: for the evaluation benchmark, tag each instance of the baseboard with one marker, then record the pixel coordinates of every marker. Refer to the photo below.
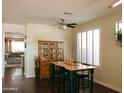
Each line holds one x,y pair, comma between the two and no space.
30,76
108,85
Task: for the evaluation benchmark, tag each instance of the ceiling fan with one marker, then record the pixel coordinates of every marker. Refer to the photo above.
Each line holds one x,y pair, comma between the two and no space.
64,25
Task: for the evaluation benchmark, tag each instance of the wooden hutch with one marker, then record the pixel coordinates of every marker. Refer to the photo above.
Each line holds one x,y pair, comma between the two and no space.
49,51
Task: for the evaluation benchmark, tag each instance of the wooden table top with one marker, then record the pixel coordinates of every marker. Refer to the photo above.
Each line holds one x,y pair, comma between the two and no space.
73,66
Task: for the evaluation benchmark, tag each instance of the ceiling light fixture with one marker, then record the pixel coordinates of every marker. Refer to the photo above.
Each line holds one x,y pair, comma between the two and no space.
116,4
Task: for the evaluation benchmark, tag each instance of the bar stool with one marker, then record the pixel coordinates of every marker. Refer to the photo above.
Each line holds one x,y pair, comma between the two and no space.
62,80
53,75
83,78
65,81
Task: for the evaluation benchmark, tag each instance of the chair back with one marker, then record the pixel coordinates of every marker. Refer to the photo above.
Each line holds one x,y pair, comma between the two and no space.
86,64
37,62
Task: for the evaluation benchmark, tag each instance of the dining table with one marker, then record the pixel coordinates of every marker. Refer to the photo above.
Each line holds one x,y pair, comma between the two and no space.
75,67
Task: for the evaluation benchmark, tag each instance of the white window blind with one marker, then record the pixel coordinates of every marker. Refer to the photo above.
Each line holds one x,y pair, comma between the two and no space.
79,47
89,47
84,47
96,42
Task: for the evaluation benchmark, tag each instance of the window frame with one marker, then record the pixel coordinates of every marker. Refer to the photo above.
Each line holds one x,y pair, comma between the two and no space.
92,29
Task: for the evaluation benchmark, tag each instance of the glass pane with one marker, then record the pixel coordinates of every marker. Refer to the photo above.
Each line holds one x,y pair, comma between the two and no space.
120,25
60,47
96,47
79,47
44,51
89,47
52,53
52,50
84,47
60,57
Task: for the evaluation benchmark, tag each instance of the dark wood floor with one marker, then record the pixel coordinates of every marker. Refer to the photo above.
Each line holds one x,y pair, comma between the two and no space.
15,82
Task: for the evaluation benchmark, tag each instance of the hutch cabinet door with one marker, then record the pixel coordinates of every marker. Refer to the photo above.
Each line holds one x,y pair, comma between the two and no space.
60,51
52,51
44,51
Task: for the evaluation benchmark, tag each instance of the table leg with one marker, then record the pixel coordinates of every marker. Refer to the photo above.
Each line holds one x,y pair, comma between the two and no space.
71,75
52,76
91,80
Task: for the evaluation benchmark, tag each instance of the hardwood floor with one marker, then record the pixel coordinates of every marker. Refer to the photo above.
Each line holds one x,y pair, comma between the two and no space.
15,82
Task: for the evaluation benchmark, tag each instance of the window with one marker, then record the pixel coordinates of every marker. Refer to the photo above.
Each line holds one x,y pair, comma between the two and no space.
88,47
17,46
118,33
79,46
118,26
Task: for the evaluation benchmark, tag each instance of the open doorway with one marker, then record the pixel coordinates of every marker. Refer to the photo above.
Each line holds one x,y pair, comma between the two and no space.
14,56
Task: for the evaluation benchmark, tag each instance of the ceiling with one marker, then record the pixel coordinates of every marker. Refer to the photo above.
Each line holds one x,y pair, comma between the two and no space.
49,11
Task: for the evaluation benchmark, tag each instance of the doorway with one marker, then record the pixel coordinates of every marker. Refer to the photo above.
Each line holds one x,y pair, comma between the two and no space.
14,56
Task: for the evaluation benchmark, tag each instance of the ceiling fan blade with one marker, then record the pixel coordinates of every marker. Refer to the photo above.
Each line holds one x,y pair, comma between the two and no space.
63,24
71,24
116,4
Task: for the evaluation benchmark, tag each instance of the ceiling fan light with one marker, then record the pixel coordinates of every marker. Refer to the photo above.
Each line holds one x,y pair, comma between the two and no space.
64,27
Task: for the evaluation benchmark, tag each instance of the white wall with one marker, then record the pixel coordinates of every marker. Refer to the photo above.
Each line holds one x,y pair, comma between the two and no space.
3,51
110,73
1,55
13,28
37,32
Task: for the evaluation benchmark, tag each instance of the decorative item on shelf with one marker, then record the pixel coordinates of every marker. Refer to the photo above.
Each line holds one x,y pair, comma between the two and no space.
118,35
